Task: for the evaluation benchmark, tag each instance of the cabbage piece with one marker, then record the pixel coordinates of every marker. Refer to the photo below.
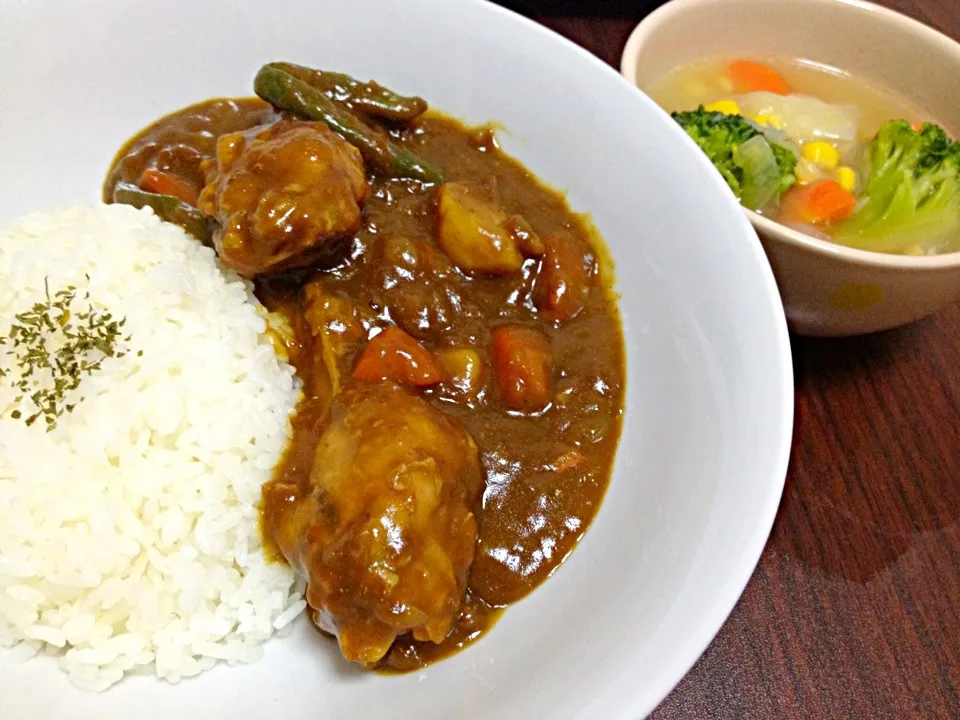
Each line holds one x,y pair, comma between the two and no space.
761,173
777,137
804,118
742,154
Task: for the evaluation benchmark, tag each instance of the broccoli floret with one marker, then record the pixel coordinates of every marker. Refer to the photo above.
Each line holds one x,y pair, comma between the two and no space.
912,192
787,163
750,175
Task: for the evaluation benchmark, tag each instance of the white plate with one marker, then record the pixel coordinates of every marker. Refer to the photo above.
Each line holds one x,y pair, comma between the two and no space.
704,452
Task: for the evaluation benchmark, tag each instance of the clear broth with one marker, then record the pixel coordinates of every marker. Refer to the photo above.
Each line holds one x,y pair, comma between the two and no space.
705,81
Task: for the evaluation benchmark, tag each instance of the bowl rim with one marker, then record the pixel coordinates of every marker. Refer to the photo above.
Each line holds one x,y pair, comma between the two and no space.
770,229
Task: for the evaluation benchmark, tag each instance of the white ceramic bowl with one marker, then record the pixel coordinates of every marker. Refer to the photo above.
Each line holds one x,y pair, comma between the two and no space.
701,467
827,289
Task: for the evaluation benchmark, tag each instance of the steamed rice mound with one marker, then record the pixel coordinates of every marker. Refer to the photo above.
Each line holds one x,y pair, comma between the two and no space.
129,537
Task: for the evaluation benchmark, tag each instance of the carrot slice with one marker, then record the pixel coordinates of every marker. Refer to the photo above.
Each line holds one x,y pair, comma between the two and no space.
523,363
749,76
163,183
394,355
818,204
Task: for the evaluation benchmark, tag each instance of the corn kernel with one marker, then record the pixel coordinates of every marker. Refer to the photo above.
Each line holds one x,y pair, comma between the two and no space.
773,120
822,153
727,107
846,178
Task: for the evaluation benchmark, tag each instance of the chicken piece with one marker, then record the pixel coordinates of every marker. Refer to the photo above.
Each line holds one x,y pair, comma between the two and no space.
335,324
385,533
285,196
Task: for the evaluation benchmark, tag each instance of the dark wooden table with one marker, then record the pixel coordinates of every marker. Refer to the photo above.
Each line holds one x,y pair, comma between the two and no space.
854,610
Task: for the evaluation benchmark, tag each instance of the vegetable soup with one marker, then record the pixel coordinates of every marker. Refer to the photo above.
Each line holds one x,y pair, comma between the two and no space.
815,148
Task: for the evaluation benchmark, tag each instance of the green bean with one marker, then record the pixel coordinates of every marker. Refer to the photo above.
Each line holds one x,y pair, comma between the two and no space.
167,207
290,93
370,98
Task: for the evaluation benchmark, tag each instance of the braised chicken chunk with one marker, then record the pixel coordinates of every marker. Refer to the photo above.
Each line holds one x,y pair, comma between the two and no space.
335,324
386,532
285,196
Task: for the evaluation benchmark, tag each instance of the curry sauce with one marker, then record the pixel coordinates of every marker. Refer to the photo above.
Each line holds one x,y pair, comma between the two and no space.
544,472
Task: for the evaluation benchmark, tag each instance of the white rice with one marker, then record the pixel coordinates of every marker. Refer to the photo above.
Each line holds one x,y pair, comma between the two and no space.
129,537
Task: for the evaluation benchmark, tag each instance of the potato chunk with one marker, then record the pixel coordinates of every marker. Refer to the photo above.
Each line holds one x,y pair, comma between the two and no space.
473,232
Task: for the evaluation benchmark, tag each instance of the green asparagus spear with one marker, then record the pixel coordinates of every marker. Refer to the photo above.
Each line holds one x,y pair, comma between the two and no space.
283,90
370,98
167,207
